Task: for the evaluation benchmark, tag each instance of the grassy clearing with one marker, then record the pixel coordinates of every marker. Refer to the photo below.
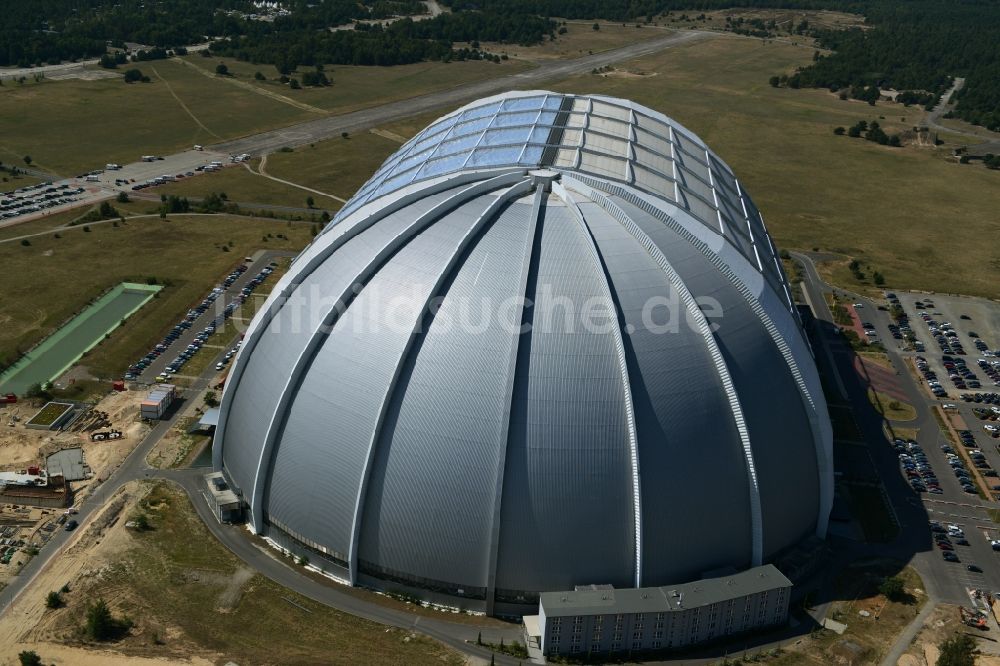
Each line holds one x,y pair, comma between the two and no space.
784,18
183,252
9,183
580,39
904,433
240,185
338,166
189,596
903,211
357,88
867,639
891,408
76,125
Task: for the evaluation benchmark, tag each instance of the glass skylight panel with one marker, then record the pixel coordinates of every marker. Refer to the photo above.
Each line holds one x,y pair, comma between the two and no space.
612,127
546,118
393,184
531,155
702,210
498,137
652,125
652,160
553,102
576,120
480,111
470,127
565,157
611,111
652,142
495,156
691,181
441,165
606,144
523,103
689,145
540,134
516,118
653,182
603,165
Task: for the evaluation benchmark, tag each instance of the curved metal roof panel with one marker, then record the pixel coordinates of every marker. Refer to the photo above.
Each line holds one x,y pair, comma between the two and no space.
467,384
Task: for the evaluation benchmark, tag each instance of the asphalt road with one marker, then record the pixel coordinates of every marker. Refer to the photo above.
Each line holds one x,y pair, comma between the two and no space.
325,128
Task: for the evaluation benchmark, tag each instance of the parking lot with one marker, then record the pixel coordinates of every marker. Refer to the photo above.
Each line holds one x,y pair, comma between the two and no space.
954,333
189,337
26,204
38,198
939,469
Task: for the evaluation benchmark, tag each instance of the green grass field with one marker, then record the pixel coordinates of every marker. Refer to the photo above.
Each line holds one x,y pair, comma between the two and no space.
580,39
241,185
903,211
183,253
77,125
337,166
360,87
189,596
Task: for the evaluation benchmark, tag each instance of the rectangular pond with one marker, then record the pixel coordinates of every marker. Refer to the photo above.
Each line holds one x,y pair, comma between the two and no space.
63,348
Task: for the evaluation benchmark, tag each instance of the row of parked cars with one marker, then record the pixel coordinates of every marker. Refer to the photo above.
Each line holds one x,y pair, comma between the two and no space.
916,467
930,377
943,536
36,198
188,322
991,368
944,334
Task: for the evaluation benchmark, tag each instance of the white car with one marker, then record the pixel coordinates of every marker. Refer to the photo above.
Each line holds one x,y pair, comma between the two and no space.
949,405
989,427
859,305
220,366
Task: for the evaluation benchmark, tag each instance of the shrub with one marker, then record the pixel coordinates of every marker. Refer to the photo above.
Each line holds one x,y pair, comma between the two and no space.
101,625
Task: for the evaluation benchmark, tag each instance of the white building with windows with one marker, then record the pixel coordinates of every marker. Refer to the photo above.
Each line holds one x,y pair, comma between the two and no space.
599,619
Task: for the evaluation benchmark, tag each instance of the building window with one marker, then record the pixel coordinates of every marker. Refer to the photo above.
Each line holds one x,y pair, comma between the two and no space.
656,645
615,646
637,636
574,649
657,634
556,622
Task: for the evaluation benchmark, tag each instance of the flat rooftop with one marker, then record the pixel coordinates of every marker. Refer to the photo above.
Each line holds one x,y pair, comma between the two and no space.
599,600
69,464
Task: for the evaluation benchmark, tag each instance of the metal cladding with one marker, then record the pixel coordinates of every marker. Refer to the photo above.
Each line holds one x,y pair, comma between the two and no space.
549,343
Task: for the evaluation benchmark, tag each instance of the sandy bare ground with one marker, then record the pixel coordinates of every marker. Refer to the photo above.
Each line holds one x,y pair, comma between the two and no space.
30,626
53,653
81,557
20,446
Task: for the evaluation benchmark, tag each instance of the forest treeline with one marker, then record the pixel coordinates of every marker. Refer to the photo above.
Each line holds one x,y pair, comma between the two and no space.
909,45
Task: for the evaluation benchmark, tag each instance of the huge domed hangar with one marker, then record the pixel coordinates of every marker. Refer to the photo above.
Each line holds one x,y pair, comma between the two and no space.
549,343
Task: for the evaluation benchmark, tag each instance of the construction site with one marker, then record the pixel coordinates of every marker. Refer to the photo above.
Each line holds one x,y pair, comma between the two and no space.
53,455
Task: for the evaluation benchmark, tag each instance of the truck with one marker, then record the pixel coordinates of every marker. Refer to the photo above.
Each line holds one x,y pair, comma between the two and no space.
973,618
158,402
93,179
149,158
111,166
8,399
198,147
